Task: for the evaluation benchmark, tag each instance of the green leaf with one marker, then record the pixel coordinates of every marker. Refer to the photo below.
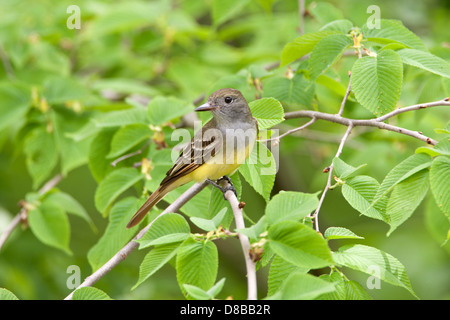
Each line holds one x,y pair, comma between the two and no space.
41,158
254,231
302,286
70,205
5,294
116,234
50,225
210,224
128,137
393,31
377,81
326,52
113,185
344,289
170,227
16,100
400,172
58,90
99,148
441,148
90,293
405,198
200,294
294,92
259,170
302,45
344,170
290,205
122,118
223,10
426,61
340,233
359,192
279,270
375,263
155,260
342,25
163,109
197,263
267,111
299,245
440,183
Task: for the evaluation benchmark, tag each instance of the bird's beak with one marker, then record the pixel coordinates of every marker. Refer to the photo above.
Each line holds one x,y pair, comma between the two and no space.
204,107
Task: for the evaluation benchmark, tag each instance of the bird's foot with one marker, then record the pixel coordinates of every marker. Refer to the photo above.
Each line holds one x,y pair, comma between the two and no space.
224,190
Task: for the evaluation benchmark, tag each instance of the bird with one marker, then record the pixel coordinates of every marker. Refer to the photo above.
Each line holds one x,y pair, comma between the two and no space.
215,151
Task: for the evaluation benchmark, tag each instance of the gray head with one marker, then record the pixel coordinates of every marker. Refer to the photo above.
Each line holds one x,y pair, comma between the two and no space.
227,105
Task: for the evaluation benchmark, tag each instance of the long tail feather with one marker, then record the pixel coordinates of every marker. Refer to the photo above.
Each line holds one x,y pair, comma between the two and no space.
154,198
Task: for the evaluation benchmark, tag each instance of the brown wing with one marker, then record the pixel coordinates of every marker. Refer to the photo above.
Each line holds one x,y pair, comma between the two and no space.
202,147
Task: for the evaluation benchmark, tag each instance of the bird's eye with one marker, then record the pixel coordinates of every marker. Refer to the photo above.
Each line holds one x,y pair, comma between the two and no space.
228,99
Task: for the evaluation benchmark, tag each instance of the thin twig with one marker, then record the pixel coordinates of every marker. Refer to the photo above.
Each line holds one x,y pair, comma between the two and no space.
129,155
252,293
301,12
349,89
130,246
277,139
329,169
23,213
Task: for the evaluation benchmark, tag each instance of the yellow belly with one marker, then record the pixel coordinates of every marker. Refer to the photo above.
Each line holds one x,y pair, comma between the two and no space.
214,169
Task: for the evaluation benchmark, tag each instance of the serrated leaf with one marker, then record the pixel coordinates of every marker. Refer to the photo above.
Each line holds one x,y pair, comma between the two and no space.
50,225
90,293
155,260
197,263
70,205
200,294
440,183
116,234
441,148
393,31
326,52
171,227
290,205
426,61
113,185
122,118
405,198
279,270
267,111
400,172
297,91
163,109
302,286
299,245
259,170
344,289
41,158
128,137
99,148
377,81
210,224
342,25
5,294
374,262
340,233
359,192
344,170
16,100
302,45
254,231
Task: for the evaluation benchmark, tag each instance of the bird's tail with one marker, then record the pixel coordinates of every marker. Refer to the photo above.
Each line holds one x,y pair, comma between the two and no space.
154,198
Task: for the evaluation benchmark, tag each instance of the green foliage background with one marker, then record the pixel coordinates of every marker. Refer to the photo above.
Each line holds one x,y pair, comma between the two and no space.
127,51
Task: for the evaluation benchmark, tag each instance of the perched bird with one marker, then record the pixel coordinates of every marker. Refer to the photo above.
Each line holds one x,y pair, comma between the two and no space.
215,151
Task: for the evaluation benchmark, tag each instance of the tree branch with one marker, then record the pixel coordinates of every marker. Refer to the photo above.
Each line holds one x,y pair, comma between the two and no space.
252,293
330,176
23,213
376,122
130,246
